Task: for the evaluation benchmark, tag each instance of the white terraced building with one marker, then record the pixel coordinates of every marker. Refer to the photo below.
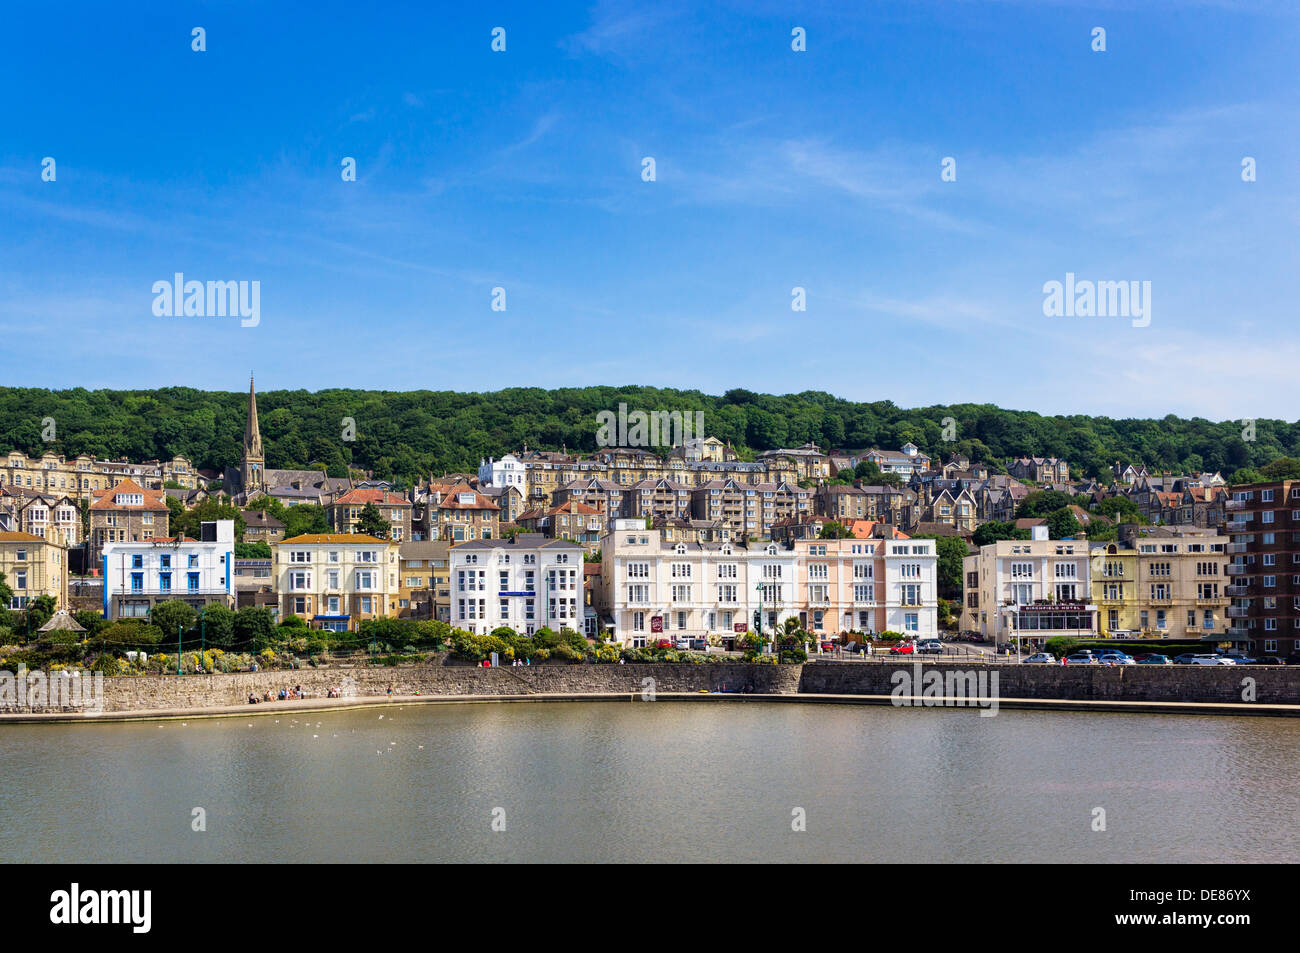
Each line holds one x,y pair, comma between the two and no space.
655,589
527,583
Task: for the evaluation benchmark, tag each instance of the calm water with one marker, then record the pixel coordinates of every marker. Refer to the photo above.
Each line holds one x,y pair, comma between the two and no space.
654,782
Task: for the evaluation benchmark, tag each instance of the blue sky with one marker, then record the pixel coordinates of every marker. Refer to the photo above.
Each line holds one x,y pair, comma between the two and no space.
775,169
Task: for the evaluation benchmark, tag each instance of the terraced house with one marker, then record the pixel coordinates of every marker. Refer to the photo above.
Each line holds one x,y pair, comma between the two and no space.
571,520
335,580
654,589
1161,583
46,515
876,584
1029,590
80,477
527,583
424,588
33,567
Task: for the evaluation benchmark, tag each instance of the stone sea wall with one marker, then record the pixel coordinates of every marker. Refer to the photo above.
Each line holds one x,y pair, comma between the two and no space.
208,691
1175,683
1275,685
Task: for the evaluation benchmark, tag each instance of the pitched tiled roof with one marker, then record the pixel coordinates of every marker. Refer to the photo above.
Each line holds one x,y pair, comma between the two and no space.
154,500
376,496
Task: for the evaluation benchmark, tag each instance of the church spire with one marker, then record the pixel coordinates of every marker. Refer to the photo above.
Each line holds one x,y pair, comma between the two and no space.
252,435
252,469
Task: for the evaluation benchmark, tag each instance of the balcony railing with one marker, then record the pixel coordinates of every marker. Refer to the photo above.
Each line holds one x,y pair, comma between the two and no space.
1237,590
1235,569
1237,547
181,593
1238,612
1234,504
1236,525
1239,631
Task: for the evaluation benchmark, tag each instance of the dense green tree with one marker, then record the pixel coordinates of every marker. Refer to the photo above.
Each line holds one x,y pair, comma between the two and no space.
1062,523
410,435
252,551
372,523
304,518
1039,503
39,611
1120,509
254,629
218,625
834,529
189,522
1283,468
172,616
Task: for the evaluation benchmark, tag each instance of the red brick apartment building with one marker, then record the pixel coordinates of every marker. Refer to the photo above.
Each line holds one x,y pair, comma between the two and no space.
1263,520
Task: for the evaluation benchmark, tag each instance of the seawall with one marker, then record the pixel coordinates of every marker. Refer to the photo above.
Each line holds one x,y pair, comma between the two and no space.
1274,685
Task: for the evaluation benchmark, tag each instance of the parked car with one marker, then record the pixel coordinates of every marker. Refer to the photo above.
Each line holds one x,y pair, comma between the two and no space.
1184,659
1114,657
828,646
1211,660
902,648
699,645
1043,658
930,647
1293,658
682,645
1081,658
1269,660
1238,659
1151,658
664,643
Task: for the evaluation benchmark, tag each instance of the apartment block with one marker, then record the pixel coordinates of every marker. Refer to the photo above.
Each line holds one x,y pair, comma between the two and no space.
1264,571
